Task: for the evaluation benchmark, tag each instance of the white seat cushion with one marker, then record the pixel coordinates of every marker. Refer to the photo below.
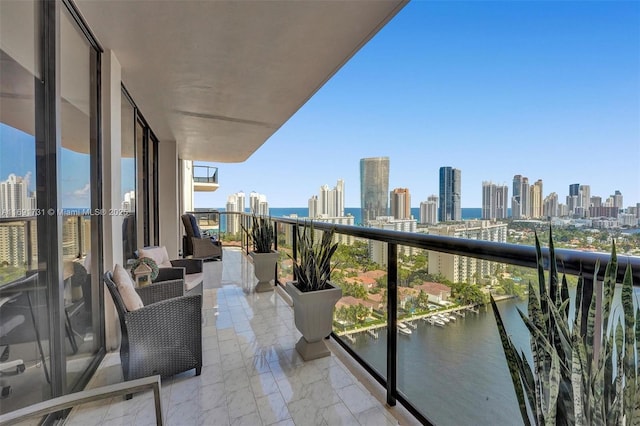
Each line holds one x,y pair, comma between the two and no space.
124,283
158,254
192,280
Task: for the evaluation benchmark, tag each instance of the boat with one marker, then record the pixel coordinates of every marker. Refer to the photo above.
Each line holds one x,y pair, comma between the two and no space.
435,321
403,329
442,317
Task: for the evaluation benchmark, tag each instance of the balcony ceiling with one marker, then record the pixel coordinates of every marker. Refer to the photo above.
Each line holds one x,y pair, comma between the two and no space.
220,77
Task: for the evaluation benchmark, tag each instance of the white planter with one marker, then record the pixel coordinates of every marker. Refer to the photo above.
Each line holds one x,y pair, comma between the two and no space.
313,315
264,267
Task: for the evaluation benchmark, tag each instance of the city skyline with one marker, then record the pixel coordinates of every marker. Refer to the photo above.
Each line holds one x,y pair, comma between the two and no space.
482,86
495,89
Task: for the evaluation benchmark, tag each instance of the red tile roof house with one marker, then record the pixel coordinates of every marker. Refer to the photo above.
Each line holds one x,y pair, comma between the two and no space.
437,292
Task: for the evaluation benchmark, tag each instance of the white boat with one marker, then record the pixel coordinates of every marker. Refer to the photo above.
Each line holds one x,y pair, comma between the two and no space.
442,317
403,329
435,321
453,318
439,323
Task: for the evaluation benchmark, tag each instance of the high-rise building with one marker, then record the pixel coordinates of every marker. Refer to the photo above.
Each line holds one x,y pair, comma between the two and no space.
502,202
235,203
494,200
535,200
525,198
429,210
329,203
550,205
466,269
450,194
313,206
585,197
617,200
258,204
374,187
516,201
400,199
15,199
378,250
574,189
573,199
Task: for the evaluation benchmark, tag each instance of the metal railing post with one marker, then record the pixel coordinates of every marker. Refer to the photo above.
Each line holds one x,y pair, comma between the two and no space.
392,322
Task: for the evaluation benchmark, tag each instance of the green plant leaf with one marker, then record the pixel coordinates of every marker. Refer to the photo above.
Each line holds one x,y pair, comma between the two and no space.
554,389
577,381
511,355
629,363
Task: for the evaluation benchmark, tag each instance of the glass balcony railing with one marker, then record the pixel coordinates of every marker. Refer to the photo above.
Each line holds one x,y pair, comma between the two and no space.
205,174
431,341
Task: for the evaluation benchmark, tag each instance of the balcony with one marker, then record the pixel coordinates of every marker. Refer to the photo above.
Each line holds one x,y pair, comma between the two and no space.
252,373
205,178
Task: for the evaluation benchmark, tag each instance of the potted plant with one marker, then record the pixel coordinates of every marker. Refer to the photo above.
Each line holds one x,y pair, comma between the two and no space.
264,258
583,372
313,295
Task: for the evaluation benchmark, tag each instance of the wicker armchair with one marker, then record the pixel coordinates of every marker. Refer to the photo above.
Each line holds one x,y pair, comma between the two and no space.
165,336
197,245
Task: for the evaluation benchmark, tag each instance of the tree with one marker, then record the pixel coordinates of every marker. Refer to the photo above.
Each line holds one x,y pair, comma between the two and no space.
423,299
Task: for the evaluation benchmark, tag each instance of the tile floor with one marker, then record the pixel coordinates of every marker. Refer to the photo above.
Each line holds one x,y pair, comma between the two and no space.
252,374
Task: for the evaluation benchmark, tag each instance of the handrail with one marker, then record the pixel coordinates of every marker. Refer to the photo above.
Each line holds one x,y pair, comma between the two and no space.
571,262
71,400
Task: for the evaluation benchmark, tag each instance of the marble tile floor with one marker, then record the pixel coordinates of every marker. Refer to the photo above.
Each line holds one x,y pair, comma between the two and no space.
252,374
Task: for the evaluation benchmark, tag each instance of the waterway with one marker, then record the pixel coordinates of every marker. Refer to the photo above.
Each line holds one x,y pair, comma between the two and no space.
456,374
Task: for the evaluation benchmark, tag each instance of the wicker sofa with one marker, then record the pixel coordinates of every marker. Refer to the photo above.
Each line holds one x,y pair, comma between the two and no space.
165,335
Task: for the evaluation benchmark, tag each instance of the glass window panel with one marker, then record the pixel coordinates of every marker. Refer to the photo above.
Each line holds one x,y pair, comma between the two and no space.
128,179
24,310
77,91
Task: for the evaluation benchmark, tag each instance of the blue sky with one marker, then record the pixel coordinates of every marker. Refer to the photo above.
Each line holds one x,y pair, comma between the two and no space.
546,89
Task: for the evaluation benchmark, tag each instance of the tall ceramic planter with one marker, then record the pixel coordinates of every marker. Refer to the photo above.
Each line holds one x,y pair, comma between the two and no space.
313,315
264,267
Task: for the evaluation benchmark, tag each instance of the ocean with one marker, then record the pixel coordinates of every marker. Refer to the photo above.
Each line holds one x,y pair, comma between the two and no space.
467,213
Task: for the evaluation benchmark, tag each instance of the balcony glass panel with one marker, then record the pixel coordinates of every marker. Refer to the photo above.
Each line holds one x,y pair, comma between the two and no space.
78,91
360,317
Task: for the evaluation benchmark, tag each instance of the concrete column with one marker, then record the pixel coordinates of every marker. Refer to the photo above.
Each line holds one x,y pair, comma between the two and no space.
111,172
169,198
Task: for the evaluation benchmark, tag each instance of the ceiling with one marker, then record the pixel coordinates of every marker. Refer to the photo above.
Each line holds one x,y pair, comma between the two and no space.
220,77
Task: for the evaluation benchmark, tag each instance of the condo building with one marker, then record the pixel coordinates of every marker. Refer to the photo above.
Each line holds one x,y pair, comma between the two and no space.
235,203
374,187
400,200
450,195
535,200
466,269
329,202
15,198
429,211
378,249
258,204
494,200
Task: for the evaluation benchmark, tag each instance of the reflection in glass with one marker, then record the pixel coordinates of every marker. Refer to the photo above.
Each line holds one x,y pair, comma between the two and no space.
24,311
128,178
77,92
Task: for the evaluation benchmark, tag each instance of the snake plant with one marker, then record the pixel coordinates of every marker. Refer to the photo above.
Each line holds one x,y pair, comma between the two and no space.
312,268
590,378
262,234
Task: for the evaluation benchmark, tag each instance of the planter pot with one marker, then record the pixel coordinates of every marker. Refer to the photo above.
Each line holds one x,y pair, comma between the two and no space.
313,315
264,267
